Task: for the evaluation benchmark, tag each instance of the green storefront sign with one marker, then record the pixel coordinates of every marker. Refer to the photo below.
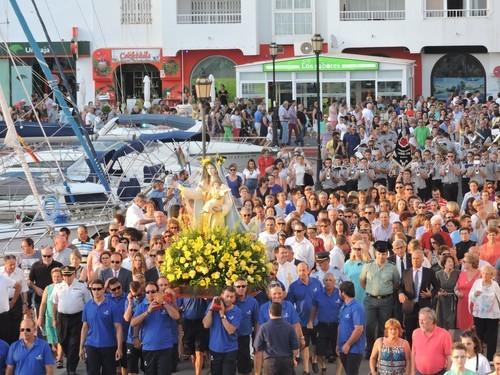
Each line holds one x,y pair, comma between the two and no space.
308,64
23,49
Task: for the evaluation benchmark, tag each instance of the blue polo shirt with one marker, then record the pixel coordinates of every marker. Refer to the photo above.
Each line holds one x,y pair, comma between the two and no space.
352,314
249,315
288,314
156,328
328,306
101,319
130,332
4,351
120,303
30,361
302,295
220,340
192,308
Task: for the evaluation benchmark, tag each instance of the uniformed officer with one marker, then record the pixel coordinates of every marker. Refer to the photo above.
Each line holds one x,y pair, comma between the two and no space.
69,299
101,338
380,279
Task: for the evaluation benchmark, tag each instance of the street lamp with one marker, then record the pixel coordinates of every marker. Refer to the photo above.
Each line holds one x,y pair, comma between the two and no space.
317,45
203,86
273,51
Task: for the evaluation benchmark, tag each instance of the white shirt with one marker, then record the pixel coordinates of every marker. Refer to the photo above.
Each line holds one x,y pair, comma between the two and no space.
5,284
127,264
382,234
481,368
132,217
18,277
287,274
337,258
487,304
400,260
302,251
70,299
270,241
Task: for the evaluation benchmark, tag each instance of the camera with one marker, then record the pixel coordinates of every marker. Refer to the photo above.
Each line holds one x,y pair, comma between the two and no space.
216,304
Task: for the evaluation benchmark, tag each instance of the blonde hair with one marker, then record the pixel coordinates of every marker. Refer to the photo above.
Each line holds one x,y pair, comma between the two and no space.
473,259
392,323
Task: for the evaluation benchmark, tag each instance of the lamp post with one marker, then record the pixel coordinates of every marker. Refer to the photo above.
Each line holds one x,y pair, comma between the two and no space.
317,44
273,51
203,86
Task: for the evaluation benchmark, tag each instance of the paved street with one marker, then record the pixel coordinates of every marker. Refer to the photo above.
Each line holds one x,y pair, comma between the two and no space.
185,368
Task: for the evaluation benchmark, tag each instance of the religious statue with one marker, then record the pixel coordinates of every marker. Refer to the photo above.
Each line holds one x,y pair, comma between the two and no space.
213,203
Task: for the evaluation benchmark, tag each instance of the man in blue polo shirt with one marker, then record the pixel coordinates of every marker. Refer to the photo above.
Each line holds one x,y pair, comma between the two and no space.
156,316
352,340
134,299
30,355
289,314
223,320
119,299
326,310
301,293
249,315
4,350
102,337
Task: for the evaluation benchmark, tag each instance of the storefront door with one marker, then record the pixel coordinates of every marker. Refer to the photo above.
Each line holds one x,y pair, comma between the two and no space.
360,90
306,94
283,89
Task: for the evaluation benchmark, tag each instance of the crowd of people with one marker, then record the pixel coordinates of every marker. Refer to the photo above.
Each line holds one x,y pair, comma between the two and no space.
396,264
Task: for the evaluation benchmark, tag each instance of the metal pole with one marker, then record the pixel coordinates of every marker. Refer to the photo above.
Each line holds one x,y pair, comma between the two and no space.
318,118
274,106
203,130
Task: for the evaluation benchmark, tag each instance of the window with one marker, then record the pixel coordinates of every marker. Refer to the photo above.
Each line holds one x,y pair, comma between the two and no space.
293,17
334,90
372,10
253,90
208,11
136,12
389,89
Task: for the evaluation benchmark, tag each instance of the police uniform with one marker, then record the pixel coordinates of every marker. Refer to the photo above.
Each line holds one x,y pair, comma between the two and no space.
70,301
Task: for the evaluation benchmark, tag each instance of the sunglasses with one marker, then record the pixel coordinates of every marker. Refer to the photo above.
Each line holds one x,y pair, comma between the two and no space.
356,248
150,291
95,289
133,250
240,286
113,230
298,230
232,170
115,288
25,329
173,228
115,262
47,256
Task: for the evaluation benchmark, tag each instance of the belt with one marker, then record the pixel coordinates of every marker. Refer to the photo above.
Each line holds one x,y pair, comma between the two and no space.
69,315
379,297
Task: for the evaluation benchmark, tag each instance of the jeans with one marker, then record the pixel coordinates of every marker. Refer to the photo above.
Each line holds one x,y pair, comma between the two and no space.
284,133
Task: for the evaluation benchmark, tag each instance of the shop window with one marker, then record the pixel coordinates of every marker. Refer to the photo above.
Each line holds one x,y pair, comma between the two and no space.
129,81
456,73
253,90
293,17
222,68
389,89
136,12
334,90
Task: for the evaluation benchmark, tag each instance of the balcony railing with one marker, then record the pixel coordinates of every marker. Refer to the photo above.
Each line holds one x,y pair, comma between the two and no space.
209,18
372,15
454,13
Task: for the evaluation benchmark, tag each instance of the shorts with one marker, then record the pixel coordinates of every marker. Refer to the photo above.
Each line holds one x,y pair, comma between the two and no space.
122,362
244,361
327,339
134,356
195,336
309,336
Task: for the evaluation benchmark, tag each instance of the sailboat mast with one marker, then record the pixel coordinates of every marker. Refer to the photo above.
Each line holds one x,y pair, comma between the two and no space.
86,145
12,141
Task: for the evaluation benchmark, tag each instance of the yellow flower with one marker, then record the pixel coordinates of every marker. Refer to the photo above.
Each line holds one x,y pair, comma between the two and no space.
192,273
185,276
182,260
216,275
234,278
202,283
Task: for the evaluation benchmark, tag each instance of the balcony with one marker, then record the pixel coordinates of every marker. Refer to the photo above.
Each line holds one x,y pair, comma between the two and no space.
372,15
454,13
206,12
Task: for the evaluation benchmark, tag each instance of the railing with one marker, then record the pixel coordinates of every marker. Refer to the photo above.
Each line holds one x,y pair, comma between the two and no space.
372,15
454,13
209,18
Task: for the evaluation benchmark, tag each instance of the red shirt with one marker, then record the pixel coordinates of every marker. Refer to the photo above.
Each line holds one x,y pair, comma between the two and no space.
425,241
435,345
263,162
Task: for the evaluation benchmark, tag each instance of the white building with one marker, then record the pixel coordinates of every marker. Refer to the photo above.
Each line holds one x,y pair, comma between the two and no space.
454,43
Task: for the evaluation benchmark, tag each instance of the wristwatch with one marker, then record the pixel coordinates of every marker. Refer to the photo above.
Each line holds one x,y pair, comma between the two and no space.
223,316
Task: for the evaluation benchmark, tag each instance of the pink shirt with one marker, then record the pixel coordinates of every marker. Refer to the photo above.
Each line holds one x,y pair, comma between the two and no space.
436,345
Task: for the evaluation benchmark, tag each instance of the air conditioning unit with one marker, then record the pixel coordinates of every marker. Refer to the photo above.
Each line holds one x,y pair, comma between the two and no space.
303,48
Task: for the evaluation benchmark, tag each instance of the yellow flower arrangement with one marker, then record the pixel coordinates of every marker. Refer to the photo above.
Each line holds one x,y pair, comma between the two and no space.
215,259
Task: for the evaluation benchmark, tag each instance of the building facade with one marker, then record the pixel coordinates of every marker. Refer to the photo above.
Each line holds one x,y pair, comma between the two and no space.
454,43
